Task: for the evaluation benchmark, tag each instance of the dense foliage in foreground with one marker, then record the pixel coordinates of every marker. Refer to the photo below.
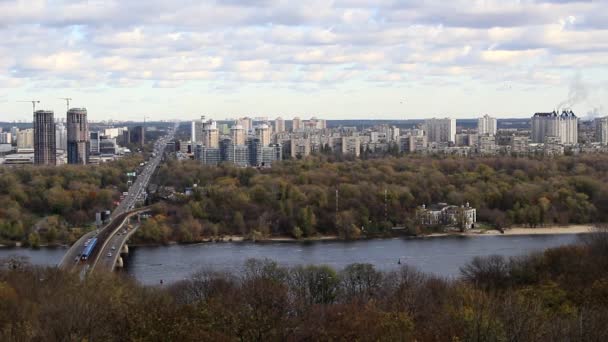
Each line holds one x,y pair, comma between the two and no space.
46,204
298,197
558,295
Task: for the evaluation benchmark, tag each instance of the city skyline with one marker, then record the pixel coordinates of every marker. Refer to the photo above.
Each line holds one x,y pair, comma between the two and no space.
336,59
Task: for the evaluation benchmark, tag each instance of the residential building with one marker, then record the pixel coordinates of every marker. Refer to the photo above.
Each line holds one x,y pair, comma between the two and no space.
351,146
440,130
246,123
413,143
6,138
25,139
563,126
487,144
78,138
296,124
263,134
45,149
279,125
299,147
486,125
237,133
601,130
520,145
211,135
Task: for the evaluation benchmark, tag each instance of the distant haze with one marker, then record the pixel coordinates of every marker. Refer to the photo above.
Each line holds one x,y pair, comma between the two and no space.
335,59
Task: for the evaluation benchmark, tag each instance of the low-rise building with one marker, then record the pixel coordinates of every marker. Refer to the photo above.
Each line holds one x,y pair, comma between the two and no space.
449,216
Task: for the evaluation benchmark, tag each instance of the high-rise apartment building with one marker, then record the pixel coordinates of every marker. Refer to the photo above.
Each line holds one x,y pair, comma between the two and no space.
563,126
237,133
263,134
486,125
279,125
296,124
211,136
78,141
45,148
246,123
601,130
440,130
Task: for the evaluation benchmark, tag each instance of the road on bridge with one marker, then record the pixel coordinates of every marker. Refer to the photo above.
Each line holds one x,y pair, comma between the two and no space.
71,261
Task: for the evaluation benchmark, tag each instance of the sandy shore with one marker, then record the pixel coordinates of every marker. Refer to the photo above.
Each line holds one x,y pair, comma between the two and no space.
573,229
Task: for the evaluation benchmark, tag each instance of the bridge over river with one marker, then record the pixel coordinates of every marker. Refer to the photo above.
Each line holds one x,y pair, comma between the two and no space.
112,239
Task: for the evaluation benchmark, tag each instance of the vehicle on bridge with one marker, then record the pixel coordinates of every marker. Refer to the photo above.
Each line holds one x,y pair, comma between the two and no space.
86,253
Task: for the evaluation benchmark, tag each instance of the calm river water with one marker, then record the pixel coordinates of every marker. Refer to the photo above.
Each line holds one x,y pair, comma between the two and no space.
442,256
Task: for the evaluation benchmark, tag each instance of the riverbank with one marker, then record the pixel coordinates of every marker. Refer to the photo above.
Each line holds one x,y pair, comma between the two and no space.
551,230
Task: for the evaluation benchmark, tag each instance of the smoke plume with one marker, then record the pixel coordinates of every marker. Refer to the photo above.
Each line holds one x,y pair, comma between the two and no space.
578,93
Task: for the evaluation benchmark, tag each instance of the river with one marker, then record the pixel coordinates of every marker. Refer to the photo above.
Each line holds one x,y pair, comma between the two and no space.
440,255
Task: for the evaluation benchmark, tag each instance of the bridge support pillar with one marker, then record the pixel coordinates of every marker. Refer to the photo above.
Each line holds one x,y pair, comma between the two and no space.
119,262
124,249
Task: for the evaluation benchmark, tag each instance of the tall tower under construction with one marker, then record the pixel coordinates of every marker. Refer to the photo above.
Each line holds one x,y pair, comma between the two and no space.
45,148
79,142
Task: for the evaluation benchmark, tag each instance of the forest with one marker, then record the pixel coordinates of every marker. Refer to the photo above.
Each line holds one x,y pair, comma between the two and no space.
45,205
560,294
366,198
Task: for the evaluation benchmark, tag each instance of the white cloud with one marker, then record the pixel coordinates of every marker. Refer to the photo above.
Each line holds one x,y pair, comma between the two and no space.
229,43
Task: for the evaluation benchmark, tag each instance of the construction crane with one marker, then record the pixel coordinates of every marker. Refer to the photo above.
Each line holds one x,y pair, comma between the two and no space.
33,102
67,100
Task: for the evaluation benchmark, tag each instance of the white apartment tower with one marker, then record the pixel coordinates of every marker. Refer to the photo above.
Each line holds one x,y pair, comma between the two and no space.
563,126
486,125
440,130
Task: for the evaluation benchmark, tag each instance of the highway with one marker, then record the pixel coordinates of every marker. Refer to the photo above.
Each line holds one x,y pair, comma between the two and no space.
106,236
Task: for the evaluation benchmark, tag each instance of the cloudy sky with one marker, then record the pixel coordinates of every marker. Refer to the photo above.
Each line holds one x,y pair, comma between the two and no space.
124,59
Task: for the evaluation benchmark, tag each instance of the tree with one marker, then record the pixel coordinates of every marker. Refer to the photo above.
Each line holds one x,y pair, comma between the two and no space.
239,223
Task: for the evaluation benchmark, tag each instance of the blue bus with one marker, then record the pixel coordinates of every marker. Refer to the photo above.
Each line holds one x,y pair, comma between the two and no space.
89,249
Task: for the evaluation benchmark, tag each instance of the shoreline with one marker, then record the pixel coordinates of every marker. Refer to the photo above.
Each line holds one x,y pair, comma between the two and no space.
515,231
518,231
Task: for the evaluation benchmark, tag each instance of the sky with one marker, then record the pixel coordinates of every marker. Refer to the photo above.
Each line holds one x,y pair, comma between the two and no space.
335,59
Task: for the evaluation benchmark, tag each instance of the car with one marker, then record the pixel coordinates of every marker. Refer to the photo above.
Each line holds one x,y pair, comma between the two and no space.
109,254
113,248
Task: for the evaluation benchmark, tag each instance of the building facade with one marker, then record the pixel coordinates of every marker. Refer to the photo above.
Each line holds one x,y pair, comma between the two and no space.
601,130
78,138
279,125
45,149
486,125
25,138
442,214
440,130
564,126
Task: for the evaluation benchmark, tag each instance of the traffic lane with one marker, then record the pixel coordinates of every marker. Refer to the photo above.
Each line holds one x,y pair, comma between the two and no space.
72,257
